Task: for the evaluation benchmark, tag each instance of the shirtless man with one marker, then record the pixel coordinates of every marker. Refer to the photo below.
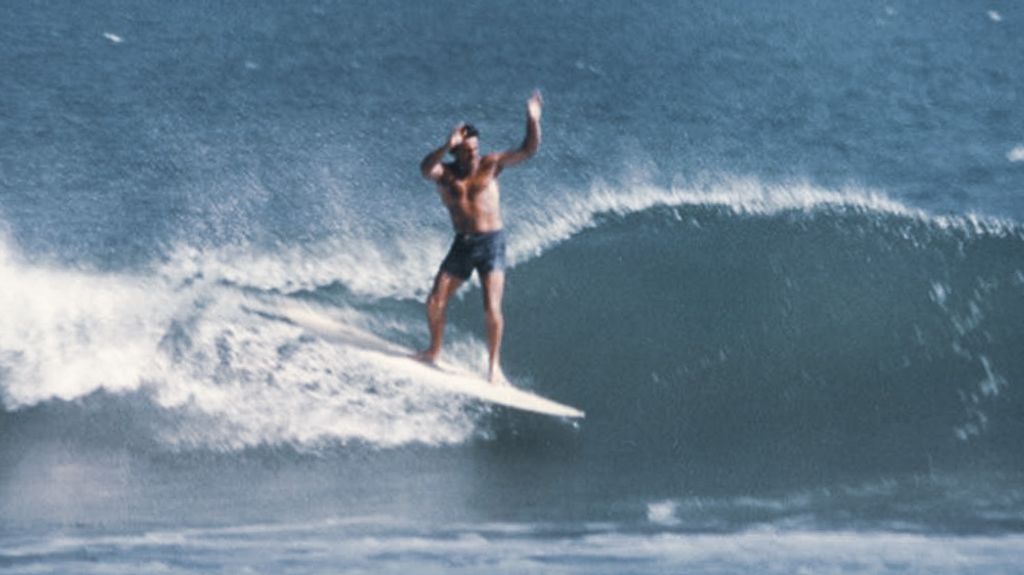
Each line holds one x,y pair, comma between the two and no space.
469,189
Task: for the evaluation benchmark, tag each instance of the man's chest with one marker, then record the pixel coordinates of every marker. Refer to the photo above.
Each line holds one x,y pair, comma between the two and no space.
471,186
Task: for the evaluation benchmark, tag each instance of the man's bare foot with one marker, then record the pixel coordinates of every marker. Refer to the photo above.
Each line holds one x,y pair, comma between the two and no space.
497,377
426,356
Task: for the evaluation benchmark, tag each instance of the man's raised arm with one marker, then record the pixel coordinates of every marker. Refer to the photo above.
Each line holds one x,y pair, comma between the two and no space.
532,141
431,166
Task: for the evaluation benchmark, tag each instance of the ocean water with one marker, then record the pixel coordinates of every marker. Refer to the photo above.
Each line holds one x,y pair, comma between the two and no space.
775,252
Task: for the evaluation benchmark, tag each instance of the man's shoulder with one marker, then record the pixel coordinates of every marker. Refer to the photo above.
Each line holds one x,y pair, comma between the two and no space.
492,160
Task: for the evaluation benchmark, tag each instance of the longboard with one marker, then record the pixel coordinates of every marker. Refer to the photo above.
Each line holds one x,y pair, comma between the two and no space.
399,359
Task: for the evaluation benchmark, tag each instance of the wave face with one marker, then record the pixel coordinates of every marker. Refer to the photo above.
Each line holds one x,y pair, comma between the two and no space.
840,335
789,326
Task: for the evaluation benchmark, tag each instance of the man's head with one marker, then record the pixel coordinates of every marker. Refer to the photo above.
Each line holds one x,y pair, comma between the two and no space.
470,146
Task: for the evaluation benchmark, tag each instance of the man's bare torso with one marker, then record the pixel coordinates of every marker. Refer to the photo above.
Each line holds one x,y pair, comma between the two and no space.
472,198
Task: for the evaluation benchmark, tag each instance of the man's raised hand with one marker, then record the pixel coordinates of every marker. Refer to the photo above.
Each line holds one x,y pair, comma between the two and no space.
534,105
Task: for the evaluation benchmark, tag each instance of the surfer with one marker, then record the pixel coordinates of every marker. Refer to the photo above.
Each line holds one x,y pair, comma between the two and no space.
469,189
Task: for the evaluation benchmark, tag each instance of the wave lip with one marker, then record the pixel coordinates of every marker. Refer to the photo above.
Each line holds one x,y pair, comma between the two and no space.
540,229
402,265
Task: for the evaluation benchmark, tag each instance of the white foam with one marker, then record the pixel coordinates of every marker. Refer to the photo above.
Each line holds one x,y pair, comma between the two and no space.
402,269
995,16
940,293
663,512
113,37
236,379
68,333
1016,154
317,392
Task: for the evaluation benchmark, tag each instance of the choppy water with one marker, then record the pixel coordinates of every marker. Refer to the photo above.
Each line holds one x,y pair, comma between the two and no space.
775,253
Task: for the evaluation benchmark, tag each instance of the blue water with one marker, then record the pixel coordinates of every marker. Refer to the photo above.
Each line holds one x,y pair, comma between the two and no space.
775,252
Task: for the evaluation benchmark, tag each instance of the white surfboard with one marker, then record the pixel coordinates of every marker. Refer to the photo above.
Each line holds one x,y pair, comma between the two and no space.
399,360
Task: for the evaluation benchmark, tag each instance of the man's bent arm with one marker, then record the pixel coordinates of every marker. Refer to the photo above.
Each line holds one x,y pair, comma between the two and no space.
431,166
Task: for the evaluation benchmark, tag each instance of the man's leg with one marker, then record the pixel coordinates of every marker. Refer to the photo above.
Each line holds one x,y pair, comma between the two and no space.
445,285
494,287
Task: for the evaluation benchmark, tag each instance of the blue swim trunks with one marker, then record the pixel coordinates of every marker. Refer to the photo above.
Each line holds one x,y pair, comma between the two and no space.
484,253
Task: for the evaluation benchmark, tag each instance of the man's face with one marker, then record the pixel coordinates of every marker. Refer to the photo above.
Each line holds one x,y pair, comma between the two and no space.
468,149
